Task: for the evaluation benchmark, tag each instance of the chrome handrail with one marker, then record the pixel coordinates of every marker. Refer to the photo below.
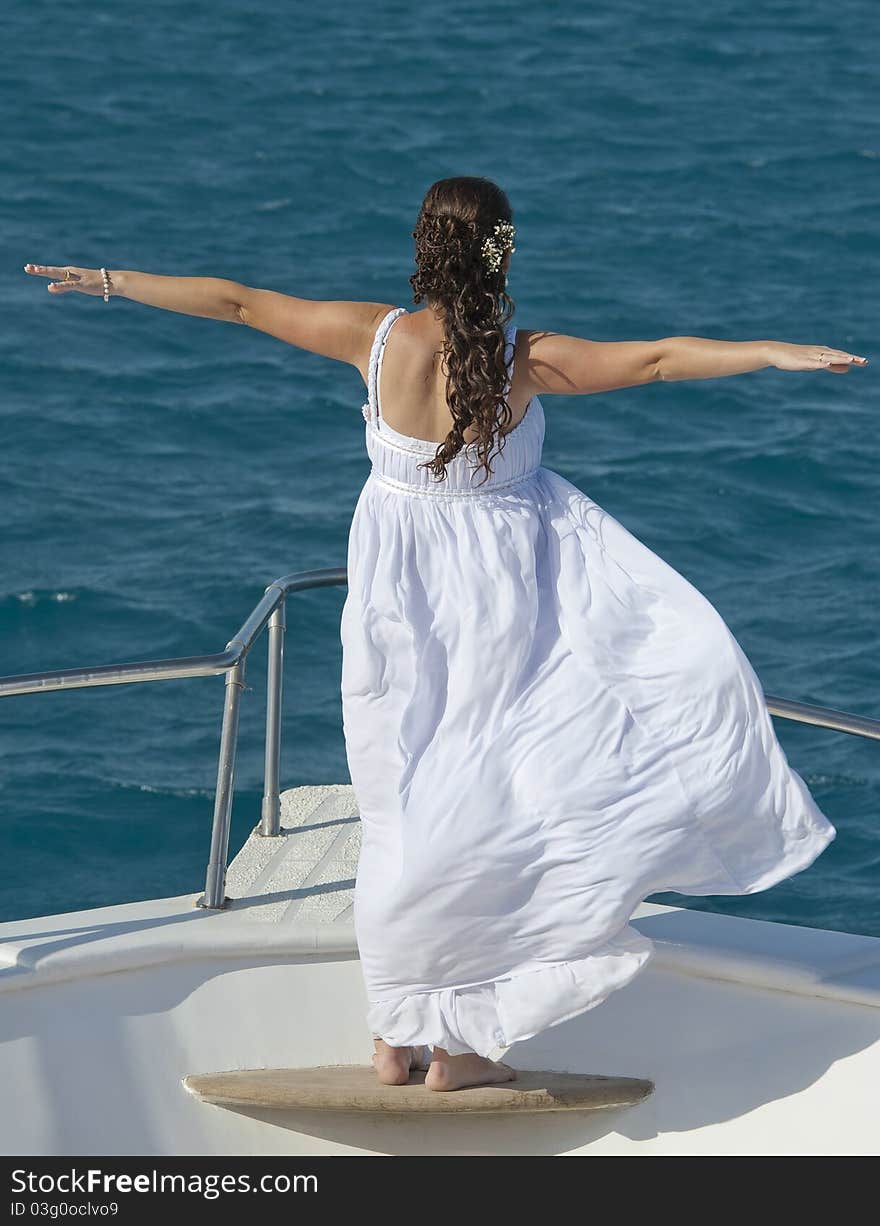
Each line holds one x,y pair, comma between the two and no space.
232,661
824,717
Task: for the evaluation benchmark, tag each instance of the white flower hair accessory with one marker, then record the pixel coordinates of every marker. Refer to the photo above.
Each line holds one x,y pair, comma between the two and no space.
497,244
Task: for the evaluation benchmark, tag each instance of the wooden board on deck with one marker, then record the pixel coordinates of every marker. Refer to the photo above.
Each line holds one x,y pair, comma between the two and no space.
346,1087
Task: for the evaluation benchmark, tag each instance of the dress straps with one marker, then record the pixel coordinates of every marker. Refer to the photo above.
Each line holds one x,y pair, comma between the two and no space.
371,408
510,338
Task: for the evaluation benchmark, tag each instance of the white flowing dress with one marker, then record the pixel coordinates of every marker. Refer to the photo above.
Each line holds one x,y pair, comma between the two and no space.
544,723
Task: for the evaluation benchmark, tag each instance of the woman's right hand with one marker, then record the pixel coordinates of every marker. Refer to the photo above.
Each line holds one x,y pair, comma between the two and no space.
80,280
813,357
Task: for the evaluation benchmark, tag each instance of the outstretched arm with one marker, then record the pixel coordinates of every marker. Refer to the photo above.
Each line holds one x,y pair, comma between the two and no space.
569,365
335,329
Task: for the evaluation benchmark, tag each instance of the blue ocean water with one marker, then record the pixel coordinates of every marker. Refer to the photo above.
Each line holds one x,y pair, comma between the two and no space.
690,169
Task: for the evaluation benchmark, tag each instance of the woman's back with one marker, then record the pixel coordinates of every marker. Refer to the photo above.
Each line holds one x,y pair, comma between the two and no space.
414,387
401,460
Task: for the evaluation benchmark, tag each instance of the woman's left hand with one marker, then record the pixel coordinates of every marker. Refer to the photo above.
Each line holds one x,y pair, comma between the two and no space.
813,357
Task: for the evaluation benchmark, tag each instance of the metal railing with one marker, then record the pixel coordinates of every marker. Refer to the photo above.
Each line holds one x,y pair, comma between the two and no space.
232,661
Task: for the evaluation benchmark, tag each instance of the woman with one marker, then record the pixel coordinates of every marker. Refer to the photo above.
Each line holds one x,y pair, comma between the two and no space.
544,722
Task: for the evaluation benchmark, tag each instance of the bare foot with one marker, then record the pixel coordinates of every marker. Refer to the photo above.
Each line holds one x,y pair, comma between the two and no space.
394,1064
456,1072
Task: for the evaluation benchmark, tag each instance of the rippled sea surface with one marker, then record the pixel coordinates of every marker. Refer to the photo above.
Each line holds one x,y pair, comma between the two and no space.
690,169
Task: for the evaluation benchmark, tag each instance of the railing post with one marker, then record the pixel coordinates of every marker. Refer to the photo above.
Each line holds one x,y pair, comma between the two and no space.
271,813
214,896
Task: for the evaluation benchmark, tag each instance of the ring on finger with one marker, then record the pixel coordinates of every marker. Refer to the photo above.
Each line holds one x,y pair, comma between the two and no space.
67,274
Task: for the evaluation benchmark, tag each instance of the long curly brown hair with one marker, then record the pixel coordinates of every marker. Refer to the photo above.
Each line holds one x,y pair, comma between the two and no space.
455,218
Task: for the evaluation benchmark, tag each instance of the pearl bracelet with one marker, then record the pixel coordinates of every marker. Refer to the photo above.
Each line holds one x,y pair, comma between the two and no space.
106,279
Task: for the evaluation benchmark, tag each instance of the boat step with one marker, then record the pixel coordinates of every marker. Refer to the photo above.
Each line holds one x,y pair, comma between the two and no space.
346,1087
